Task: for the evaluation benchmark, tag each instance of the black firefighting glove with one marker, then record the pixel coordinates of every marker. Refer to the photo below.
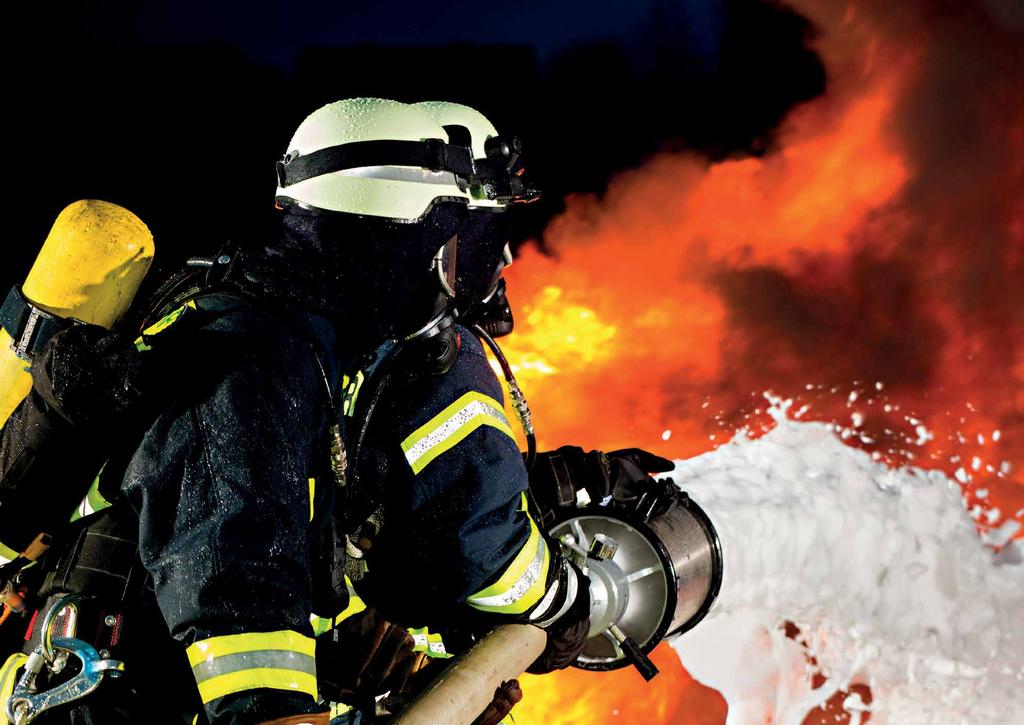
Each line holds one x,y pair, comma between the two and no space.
366,656
567,635
88,375
558,477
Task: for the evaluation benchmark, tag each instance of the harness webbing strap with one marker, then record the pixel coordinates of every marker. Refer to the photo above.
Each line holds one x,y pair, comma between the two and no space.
28,325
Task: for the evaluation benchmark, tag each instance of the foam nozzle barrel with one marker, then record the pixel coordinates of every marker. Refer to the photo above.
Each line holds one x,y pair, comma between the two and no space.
88,269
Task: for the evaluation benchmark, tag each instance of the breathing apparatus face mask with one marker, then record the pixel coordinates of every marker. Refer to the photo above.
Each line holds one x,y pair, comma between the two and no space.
483,242
379,276
483,256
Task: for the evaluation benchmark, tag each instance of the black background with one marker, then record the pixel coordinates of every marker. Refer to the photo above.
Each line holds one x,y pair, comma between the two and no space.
179,110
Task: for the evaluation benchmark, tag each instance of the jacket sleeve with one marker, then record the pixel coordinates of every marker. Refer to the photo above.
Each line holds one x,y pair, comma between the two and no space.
222,486
456,529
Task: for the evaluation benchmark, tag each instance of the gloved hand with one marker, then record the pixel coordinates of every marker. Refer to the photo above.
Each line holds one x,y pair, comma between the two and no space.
88,374
559,475
568,634
630,472
366,656
506,697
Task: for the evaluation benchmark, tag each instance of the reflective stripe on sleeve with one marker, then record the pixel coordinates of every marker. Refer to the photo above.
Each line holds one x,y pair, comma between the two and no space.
233,663
523,583
7,554
446,429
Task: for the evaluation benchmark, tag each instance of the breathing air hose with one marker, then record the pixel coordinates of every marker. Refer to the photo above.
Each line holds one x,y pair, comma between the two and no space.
519,403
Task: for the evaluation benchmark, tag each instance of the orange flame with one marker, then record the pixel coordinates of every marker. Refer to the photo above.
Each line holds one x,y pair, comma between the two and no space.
840,271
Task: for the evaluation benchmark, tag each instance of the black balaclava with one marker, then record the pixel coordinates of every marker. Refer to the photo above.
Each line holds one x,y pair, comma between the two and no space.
370,275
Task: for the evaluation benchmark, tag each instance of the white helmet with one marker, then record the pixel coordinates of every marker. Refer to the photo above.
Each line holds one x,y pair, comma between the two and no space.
373,157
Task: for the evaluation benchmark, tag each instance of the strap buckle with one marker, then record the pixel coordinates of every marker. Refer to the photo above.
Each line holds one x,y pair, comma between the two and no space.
29,326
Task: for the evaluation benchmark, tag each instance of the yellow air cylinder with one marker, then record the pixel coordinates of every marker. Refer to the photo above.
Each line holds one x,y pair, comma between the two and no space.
89,269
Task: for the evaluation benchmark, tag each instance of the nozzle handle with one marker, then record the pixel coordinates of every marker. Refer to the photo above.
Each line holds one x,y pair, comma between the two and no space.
647,669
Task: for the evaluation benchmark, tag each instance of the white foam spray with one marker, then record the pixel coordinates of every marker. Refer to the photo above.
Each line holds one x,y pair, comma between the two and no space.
882,571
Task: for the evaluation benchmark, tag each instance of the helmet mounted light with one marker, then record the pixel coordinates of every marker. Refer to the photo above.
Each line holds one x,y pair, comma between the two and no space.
502,174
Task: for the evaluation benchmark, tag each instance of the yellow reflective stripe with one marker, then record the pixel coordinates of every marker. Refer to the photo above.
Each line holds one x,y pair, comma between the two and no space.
283,660
8,679
320,624
446,429
7,554
312,496
161,325
430,643
93,501
352,388
257,678
355,604
338,709
523,582
229,644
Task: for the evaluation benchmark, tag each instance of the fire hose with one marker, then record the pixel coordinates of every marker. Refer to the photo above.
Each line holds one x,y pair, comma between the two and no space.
654,570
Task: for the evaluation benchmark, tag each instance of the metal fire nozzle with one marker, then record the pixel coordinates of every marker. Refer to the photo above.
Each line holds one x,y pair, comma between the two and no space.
650,576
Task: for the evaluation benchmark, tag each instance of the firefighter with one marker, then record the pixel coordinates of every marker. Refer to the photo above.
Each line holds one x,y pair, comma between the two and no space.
227,480
237,463
232,475
439,531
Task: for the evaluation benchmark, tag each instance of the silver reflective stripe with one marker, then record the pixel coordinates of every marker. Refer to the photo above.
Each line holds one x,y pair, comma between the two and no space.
450,427
518,590
572,589
402,173
277,659
545,604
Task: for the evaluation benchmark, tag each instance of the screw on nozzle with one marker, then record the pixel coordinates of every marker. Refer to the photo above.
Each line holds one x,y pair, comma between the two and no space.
603,547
